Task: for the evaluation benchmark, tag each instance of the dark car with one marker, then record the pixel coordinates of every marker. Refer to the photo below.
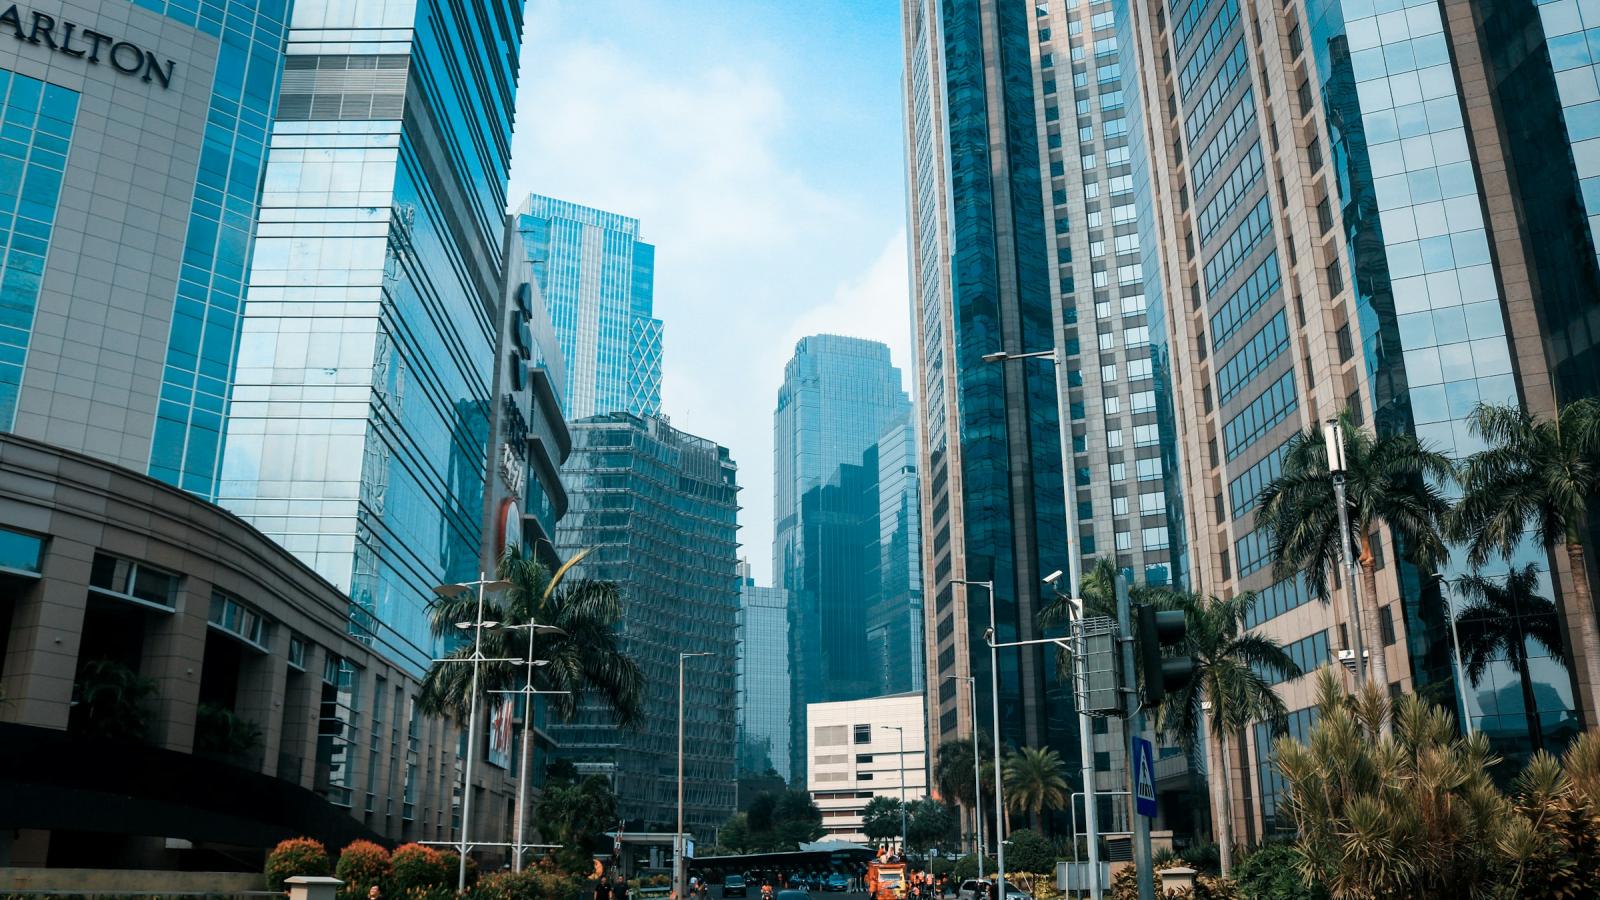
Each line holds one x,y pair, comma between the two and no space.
837,882
733,886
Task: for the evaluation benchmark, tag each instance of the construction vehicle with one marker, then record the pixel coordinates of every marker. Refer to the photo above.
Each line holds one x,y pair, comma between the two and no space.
886,880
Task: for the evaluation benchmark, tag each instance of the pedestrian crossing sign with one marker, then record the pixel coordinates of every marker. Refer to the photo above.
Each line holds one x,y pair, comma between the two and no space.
1144,777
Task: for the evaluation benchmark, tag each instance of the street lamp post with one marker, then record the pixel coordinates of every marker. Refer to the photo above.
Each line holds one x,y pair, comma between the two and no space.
999,784
1069,477
902,757
452,591
677,862
1333,442
1449,595
977,769
528,692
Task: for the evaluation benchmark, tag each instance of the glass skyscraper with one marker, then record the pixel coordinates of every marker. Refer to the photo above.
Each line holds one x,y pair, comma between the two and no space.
839,396
358,429
763,678
1382,206
658,508
599,281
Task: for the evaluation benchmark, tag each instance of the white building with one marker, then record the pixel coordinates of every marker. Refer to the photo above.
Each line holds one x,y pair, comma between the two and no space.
856,754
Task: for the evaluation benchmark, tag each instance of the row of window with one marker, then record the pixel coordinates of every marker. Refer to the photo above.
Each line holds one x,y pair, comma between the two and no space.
1238,123
1183,26
1272,406
1244,238
1278,598
1263,347
1205,52
1262,284
1240,180
1252,552
1309,654
1200,114
1243,490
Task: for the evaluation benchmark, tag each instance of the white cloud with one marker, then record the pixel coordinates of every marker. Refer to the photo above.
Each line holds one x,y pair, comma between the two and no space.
751,254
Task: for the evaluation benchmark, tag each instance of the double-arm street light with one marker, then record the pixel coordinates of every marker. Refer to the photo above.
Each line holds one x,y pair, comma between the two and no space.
1333,443
477,625
994,703
677,865
1069,490
528,693
977,769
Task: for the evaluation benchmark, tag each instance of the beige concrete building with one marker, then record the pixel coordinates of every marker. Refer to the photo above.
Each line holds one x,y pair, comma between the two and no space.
860,749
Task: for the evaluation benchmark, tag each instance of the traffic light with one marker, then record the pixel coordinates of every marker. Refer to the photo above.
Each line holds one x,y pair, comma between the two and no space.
1155,631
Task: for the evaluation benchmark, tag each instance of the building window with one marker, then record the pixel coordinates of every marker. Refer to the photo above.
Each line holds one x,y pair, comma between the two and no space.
863,758
863,776
21,553
1119,506
233,617
1386,624
1124,540
863,734
128,580
1114,438
297,652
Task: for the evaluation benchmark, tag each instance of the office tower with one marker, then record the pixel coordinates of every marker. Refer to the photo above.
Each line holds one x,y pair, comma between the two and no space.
894,614
1374,207
839,396
132,177
862,749
763,677
657,508
359,422
599,280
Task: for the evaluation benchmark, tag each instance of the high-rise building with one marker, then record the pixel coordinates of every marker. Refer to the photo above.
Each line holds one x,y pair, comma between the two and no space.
894,614
358,428
131,182
839,397
863,749
763,678
1384,208
657,507
599,281
1006,259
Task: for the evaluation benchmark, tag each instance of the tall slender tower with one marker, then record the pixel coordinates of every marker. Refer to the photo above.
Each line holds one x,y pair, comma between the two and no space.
358,429
599,281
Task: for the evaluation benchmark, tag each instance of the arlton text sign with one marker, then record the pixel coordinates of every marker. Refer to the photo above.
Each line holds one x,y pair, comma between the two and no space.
94,47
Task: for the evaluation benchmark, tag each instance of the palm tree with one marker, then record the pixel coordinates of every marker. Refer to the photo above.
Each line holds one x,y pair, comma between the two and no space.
1232,667
1536,474
585,658
1482,628
1035,780
1393,480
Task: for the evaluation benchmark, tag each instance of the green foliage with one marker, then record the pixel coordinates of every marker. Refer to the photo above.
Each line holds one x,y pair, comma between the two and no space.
576,815
1272,872
414,866
880,820
931,823
941,865
1125,885
219,731
1035,781
1028,851
953,773
362,865
530,884
113,701
296,856
585,659
775,822
450,862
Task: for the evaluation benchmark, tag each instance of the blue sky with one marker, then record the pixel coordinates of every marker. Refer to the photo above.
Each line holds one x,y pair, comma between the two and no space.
759,144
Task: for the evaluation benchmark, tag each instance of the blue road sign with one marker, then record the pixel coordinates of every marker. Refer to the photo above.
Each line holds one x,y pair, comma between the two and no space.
1144,777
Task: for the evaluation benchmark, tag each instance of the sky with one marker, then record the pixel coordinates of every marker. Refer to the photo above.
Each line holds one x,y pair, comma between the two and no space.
759,143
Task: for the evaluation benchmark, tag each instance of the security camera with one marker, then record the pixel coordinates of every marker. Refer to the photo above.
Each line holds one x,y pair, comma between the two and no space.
1053,577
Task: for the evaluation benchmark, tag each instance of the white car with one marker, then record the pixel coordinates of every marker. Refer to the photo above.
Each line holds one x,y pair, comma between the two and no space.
973,889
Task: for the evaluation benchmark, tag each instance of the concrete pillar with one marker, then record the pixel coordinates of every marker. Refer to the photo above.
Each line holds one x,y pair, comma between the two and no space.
174,652
301,707
261,683
42,648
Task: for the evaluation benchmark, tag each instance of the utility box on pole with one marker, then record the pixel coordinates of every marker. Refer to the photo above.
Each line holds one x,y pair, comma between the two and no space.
1099,689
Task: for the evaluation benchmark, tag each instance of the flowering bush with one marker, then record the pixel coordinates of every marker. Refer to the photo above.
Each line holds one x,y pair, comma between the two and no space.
296,856
362,865
530,884
413,866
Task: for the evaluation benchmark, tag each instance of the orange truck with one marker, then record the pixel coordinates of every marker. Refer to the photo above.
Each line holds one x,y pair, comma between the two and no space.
886,880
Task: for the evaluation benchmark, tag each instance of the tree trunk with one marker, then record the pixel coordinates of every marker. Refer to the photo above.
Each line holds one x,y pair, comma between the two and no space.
1377,659
1225,772
1578,610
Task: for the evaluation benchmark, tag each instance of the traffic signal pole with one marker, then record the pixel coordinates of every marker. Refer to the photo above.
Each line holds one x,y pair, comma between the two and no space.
1136,726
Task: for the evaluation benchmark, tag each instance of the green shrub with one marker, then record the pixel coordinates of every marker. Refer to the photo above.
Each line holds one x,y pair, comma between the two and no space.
1028,851
529,884
1125,885
451,862
219,731
1271,872
296,856
361,865
967,867
416,867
